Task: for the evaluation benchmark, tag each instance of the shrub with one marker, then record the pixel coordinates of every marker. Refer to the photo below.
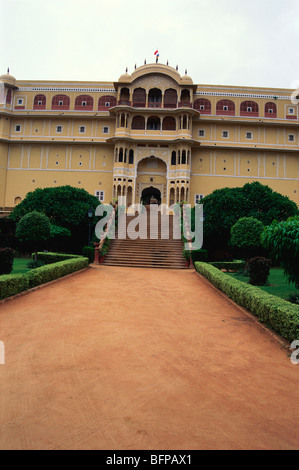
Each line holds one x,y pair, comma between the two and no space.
50,258
34,229
258,269
88,252
234,266
246,236
224,207
13,284
276,313
199,255
35,264
282,240
294,298
6,260
53,271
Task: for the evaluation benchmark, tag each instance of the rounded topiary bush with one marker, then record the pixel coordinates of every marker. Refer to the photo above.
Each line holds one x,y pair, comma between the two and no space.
6,260
246,235
33,230
258,269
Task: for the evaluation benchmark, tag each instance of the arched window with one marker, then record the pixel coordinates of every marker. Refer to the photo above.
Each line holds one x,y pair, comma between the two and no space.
123,120
184,159
155,98
169,124
225,108
139,98
270,110
61,102
153,123
8,96
185,98
106,102
124,98
249,108
170,98
138,123
173,158
131,157
179,157
39,102
203,105
17,200
184,122
84,102
121,155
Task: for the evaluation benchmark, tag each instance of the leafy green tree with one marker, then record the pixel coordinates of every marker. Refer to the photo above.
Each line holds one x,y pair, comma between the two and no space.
282,241
66,207
246,236
34,229
224,207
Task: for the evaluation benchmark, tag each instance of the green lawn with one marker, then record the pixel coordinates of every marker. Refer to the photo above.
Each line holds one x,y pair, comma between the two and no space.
277,283
20,265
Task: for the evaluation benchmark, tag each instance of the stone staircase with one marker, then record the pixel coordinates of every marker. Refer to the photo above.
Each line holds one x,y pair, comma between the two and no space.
147,252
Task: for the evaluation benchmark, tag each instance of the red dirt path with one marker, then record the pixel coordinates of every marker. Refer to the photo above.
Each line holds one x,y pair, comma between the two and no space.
131,358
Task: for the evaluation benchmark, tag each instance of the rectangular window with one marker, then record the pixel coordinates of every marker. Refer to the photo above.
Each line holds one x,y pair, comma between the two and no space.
58,128
20,101
82,129
198,198
291,138
100,195
248,135
18,128
105,130
201,133
225,134
291,111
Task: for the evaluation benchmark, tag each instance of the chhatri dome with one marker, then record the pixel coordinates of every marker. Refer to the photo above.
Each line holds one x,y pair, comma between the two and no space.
8,79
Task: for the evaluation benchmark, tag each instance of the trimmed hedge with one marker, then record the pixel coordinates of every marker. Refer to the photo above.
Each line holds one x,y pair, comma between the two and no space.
13,284
277,314
50,258
235,266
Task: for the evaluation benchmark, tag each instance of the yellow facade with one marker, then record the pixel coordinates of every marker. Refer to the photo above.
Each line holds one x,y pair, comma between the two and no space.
151,130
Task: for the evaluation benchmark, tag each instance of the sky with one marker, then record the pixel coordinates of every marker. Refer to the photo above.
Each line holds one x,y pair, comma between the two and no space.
219,42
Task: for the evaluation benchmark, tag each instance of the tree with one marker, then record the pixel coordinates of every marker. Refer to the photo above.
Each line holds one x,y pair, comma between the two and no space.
34,229
246,236
66,208
224,207
282,241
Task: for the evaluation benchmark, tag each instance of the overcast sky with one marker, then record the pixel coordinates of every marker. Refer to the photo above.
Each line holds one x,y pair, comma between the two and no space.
229,42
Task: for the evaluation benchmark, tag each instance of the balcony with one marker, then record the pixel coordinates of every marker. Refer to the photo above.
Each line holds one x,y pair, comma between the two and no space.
124,103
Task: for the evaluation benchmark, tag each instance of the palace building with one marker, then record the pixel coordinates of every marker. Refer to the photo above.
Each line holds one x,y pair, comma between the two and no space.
151,134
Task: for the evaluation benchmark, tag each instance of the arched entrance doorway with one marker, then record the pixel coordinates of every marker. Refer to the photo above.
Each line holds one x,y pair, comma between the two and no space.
151,195
151,181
